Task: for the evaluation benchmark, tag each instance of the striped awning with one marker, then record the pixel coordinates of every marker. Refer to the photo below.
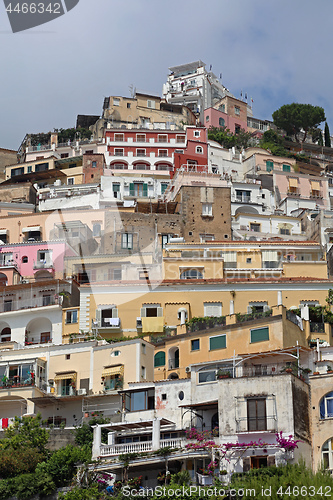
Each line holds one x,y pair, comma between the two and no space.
315,186
113,370
65,376
31,228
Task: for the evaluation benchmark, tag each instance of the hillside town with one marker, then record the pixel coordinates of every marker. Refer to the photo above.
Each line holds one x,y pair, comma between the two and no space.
164,232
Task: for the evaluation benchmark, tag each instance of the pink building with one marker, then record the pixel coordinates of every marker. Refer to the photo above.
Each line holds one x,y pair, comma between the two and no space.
300,191
216,118
34,260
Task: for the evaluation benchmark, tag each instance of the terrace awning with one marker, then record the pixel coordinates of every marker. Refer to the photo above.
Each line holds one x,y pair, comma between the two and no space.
65,376
113,370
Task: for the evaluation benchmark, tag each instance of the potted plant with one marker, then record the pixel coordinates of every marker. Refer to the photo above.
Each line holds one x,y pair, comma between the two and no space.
223,374
329,369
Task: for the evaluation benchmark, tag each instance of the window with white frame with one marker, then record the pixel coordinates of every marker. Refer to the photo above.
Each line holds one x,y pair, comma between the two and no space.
118,151
107,317
207,209
199,150
119,137
151,311
140,137
327,454
140,152
213,309
197,133
162,138
127,241
71,316
162,153
326,406
257,307
237,110
116,101
180,138
191,274
70,181
150,104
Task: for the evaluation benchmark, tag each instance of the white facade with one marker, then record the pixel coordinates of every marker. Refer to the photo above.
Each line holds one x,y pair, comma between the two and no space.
249,197
259,226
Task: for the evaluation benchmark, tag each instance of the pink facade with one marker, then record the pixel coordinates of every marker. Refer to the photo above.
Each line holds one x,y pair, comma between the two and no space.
35,260
305,190
215,118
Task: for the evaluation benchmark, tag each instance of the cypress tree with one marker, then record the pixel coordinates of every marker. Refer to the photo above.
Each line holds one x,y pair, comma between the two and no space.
327,136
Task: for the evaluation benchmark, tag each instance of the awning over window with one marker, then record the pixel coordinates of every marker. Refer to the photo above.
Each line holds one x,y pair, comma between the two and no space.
293,182
315,186
65,376
3,231
31,228
113,370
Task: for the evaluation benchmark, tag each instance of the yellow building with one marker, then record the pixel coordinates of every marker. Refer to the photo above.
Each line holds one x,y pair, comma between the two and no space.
44,169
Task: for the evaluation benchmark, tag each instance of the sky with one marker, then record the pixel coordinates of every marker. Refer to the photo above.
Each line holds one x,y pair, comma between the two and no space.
277,51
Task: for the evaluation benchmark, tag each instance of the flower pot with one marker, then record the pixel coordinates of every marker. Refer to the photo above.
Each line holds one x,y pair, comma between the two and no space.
315,373
289,370
205,480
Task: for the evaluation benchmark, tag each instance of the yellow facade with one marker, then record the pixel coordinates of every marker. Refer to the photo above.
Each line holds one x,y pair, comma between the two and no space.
239,338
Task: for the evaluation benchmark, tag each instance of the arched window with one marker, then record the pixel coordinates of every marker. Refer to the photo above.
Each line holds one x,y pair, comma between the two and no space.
221,122
327,454
326,406
159,359
191,274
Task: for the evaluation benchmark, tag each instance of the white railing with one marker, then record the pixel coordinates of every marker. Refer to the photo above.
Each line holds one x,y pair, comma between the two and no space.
173,443
119,449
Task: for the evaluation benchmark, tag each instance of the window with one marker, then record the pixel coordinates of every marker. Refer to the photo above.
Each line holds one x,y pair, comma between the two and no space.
140,152
243,196
151,311
93,164
127,241
286,168
259,334
213,309
249,260
17,171
207,209
25,260
207,118
114,274
116,101
162,153
144,274
64,155
119,137
115,353
218,342
71,317
150,104
116,190
285,231
269,165
164,397
143,372
180,138
222,122
195,345
119,166
162,138
326,406
254,226
108,317
96,229
159,359
164,187
197,133
68,356
138,189
256,415
70,181
41,167
237,110
140,400
140,137
191,274
128,105
327,454
118,151
208,376
29,169
199,150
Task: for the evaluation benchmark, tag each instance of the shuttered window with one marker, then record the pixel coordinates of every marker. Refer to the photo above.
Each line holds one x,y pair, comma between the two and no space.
260,334
218,342
159,359
256,415
212,309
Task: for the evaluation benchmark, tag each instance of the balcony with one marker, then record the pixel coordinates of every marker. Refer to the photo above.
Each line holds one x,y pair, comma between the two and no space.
205,323
317,327
114,384
47,264
144,446
153,325
243,199
8,263
17,305
173,363
267,424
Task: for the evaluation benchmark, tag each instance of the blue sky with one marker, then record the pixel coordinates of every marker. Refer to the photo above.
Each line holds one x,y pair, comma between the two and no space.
277,51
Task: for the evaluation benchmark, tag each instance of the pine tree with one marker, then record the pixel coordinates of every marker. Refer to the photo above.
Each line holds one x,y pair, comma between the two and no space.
327,136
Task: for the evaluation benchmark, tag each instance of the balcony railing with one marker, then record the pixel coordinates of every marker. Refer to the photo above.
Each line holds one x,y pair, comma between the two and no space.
19,382
265,424
173,363
144,446
240,318
113,385
43,264
205,323
8,262
243,199
16,305
317,327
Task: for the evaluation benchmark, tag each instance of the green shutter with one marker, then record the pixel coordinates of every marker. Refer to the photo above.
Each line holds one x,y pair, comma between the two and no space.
145,190
260,334
159,359
218,342
132,189
269,165
286,168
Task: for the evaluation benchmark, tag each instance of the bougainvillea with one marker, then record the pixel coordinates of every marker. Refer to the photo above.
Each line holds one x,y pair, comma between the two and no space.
288,444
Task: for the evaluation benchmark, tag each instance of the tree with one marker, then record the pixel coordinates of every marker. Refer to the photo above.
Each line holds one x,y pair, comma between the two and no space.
26,432
274,142
327,136
294,118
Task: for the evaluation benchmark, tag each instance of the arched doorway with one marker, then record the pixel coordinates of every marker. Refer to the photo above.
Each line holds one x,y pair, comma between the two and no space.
38,331
5,332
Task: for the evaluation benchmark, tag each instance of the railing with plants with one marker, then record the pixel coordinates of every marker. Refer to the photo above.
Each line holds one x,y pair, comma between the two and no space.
241,318
204,323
